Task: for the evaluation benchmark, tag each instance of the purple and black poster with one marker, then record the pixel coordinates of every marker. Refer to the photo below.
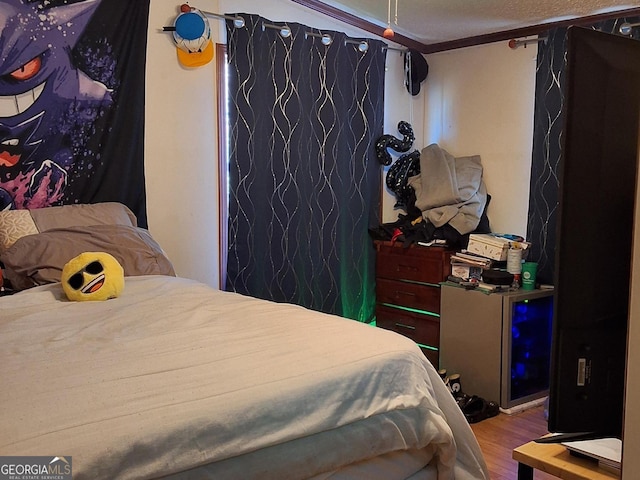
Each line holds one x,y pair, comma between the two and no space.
72,76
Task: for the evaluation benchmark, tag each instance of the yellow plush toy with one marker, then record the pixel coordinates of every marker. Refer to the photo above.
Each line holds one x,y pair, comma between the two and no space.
92,276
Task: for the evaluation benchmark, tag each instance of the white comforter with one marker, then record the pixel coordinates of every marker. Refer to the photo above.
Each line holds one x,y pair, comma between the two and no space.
174,375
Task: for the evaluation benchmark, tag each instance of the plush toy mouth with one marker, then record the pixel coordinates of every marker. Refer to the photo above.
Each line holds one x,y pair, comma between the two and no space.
94,285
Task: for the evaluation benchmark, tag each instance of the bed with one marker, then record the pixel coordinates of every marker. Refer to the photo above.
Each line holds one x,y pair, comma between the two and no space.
175,379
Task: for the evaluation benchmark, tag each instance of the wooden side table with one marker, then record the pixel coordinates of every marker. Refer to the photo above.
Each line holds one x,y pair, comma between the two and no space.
556,460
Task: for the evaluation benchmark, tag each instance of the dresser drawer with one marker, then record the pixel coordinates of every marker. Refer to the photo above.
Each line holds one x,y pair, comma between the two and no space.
406,294
420,328
418,264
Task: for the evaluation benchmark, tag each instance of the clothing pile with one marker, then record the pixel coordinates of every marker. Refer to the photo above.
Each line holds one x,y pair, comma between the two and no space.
447,200
450,190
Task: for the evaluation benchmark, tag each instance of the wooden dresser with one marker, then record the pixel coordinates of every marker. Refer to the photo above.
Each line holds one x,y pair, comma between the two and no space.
408,292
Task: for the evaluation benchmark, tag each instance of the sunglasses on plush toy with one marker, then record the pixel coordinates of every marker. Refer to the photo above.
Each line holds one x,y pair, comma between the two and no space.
92,276
76,281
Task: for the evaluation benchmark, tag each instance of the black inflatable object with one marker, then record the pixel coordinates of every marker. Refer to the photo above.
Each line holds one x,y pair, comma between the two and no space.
398,175
394,143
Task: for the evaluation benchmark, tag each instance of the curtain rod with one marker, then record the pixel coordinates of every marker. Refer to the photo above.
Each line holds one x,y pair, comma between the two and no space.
238,21
285,32
513,43
326,39
626,27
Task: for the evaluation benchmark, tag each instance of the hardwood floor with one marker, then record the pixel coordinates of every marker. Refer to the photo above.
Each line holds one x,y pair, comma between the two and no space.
498,436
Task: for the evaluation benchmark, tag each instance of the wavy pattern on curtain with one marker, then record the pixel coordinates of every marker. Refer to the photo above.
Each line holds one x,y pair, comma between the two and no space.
547,144
304,181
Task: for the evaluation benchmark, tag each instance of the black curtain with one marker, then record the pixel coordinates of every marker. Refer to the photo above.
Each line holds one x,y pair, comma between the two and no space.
304,180
547,144
82,138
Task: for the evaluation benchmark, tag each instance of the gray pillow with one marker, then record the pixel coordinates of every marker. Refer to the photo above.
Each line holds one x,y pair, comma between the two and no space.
19,223
39,259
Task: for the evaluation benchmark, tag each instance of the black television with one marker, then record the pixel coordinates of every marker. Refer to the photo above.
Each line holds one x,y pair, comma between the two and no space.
597,177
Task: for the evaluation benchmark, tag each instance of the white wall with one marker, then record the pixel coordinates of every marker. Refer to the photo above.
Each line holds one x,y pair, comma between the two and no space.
180,153
181,163
477,100
400,105
480,102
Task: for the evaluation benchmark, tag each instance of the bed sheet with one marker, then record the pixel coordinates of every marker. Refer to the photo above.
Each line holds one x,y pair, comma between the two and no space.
176,378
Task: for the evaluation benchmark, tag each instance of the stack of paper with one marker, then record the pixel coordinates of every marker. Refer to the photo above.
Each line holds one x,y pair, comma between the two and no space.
471,259
608,451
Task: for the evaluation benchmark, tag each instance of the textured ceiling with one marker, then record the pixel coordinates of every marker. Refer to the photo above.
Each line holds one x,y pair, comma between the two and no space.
436,21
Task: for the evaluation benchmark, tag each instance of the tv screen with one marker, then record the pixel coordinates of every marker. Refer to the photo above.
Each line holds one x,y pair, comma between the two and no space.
595,229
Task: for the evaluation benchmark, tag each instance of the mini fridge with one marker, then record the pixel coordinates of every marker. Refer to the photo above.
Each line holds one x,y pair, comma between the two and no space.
499,343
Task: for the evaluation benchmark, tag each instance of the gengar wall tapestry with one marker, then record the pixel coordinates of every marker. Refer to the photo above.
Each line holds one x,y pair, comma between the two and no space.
72,103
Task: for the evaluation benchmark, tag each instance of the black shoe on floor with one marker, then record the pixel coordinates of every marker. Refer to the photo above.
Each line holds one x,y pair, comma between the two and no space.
476,409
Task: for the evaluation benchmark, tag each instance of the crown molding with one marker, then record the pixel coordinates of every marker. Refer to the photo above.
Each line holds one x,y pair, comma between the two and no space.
463,42
360,23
